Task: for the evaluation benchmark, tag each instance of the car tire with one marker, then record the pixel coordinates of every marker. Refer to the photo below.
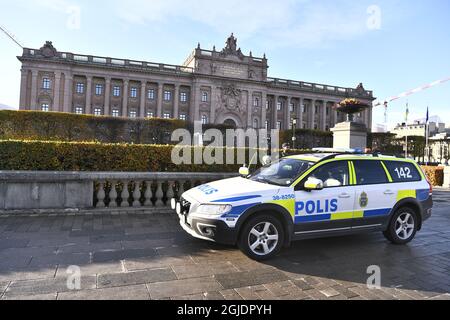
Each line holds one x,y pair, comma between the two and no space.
402,227
262,237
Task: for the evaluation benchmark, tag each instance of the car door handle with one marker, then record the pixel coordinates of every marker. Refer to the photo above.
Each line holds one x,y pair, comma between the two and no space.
389,192
344,195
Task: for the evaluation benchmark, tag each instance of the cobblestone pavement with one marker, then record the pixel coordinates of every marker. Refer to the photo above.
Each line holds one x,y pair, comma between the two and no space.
149,257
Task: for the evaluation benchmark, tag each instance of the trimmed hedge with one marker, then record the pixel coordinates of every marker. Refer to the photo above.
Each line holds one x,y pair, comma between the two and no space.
56,126
435,175
307,138
91,156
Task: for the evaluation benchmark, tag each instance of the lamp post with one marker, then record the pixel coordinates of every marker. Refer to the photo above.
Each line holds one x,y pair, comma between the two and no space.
294,138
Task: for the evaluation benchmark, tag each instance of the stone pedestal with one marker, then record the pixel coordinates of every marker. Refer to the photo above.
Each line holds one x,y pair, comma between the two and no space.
350,135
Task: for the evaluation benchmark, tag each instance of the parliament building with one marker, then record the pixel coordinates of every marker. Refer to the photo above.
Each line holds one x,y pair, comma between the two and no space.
211,86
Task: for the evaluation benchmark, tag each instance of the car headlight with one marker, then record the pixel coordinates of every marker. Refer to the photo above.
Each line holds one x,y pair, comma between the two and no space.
214,209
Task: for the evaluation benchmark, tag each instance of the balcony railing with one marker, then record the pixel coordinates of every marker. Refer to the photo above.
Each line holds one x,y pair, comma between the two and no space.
111,62
319,88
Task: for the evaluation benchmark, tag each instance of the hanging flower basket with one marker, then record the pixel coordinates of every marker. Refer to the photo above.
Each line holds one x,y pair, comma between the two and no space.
350,107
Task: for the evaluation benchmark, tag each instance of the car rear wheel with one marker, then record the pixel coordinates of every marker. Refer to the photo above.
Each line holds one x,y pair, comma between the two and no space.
403,226
262,237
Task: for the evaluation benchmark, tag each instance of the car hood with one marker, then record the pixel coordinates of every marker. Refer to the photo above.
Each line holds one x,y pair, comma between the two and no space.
230,191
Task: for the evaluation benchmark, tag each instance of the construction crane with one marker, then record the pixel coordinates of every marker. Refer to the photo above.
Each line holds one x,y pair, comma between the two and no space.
10,35
406,94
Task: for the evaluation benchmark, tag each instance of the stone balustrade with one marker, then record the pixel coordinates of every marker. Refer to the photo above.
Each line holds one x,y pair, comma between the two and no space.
33,190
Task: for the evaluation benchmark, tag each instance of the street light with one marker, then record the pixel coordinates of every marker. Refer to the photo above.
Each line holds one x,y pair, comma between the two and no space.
294,123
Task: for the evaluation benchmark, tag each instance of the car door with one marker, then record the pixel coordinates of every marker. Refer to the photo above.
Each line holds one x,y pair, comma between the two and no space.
327,210
375,195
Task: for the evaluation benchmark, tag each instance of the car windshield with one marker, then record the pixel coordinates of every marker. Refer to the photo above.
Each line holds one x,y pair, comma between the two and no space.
281,173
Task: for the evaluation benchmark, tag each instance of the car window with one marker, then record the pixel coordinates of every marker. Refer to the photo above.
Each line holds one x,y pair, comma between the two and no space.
282,173
369,172
402,171
333,174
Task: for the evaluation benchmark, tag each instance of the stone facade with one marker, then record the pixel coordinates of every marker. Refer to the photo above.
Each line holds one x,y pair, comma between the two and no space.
211,86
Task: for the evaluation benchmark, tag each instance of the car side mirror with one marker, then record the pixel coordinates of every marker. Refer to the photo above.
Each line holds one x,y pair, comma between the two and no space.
244,171
313,184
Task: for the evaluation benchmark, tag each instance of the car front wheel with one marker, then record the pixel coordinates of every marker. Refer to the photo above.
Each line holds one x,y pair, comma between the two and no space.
262,237
403,226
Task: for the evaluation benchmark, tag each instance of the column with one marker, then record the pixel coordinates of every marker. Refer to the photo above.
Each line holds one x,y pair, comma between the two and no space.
143,99
196,102
68,85
88,95
34,84
107,111
176,103
323,119
23,90
263,110
160,100
126,82
370,118
288,112
57,92
333,115
311,114
249,108
300,113
275,112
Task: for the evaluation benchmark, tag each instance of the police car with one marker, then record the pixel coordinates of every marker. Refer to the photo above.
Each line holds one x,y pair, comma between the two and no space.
309,196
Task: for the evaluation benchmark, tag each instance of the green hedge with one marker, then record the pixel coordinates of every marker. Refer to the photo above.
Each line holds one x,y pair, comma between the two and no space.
55,126
92,156
308,138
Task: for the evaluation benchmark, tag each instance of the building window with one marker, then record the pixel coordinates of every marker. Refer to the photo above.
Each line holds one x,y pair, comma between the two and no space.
46,83
151,94
315,126
133,114
279,106
316,109
279,125
115,113
303,108
80,88
98,89
133,92
255,124
291,107
183,117
98,111
167,95
267,105
204,119
116,91
150,114
78,110
44,107
183,97
204,96
267,125
327,110
256,102
166,116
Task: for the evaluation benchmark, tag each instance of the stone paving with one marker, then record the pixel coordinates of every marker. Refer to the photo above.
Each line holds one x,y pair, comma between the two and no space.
126,256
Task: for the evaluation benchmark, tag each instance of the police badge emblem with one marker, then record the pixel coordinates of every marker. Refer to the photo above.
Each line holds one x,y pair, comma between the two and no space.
363,200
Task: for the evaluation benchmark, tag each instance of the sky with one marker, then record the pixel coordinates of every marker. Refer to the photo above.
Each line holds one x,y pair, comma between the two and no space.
391,46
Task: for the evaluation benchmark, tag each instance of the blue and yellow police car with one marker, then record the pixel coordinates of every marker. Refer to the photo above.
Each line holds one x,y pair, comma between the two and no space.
309,196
